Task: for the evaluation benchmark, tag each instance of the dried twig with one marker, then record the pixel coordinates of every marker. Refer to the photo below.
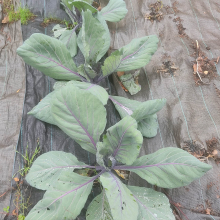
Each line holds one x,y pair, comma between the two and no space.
197,71
7,191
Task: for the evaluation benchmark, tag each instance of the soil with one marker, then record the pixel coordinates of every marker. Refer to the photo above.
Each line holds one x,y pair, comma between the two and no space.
217,91
209,210
195,149
198,151
6,6
204,69
48,21
180,27
97,6
168,68
173,9
213,149
155,14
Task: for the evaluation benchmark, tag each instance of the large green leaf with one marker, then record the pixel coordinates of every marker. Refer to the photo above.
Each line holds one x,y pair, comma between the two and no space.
42,110
114,11
58,30
106,36
89,1
111,63
69,38
47,168
83,5
134,55
149,126
50,56
129,83
168,168
148,108
80,115
59,84
96,90
65,200
121,201
99,208
124,106
90,39
142,112
125,140
152,205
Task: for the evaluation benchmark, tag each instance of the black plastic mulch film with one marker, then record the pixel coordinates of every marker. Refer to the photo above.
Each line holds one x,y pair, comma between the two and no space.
190,120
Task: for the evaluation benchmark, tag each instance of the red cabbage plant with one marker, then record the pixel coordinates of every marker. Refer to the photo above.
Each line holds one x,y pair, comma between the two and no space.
76,106
82,116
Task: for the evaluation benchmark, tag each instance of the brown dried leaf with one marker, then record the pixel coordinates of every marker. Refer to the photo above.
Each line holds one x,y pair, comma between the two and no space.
195,68
5,20
120,174
16,179
120,73
208,211
123,87
14,212
215,152
136,81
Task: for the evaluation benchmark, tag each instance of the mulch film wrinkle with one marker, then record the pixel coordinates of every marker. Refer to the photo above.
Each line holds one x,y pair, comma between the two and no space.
190,120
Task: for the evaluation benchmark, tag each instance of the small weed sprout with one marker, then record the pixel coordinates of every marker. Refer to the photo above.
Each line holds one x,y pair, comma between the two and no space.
23,14
6,210
28,160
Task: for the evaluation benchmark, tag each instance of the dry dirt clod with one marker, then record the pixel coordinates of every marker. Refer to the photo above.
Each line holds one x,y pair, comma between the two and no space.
200,152
195,149
217,91
181,29
213,149
97,6
168,68
155,14
173,9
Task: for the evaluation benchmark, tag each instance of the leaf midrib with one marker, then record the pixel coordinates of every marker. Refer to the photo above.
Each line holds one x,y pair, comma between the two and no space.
153,165
90,137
